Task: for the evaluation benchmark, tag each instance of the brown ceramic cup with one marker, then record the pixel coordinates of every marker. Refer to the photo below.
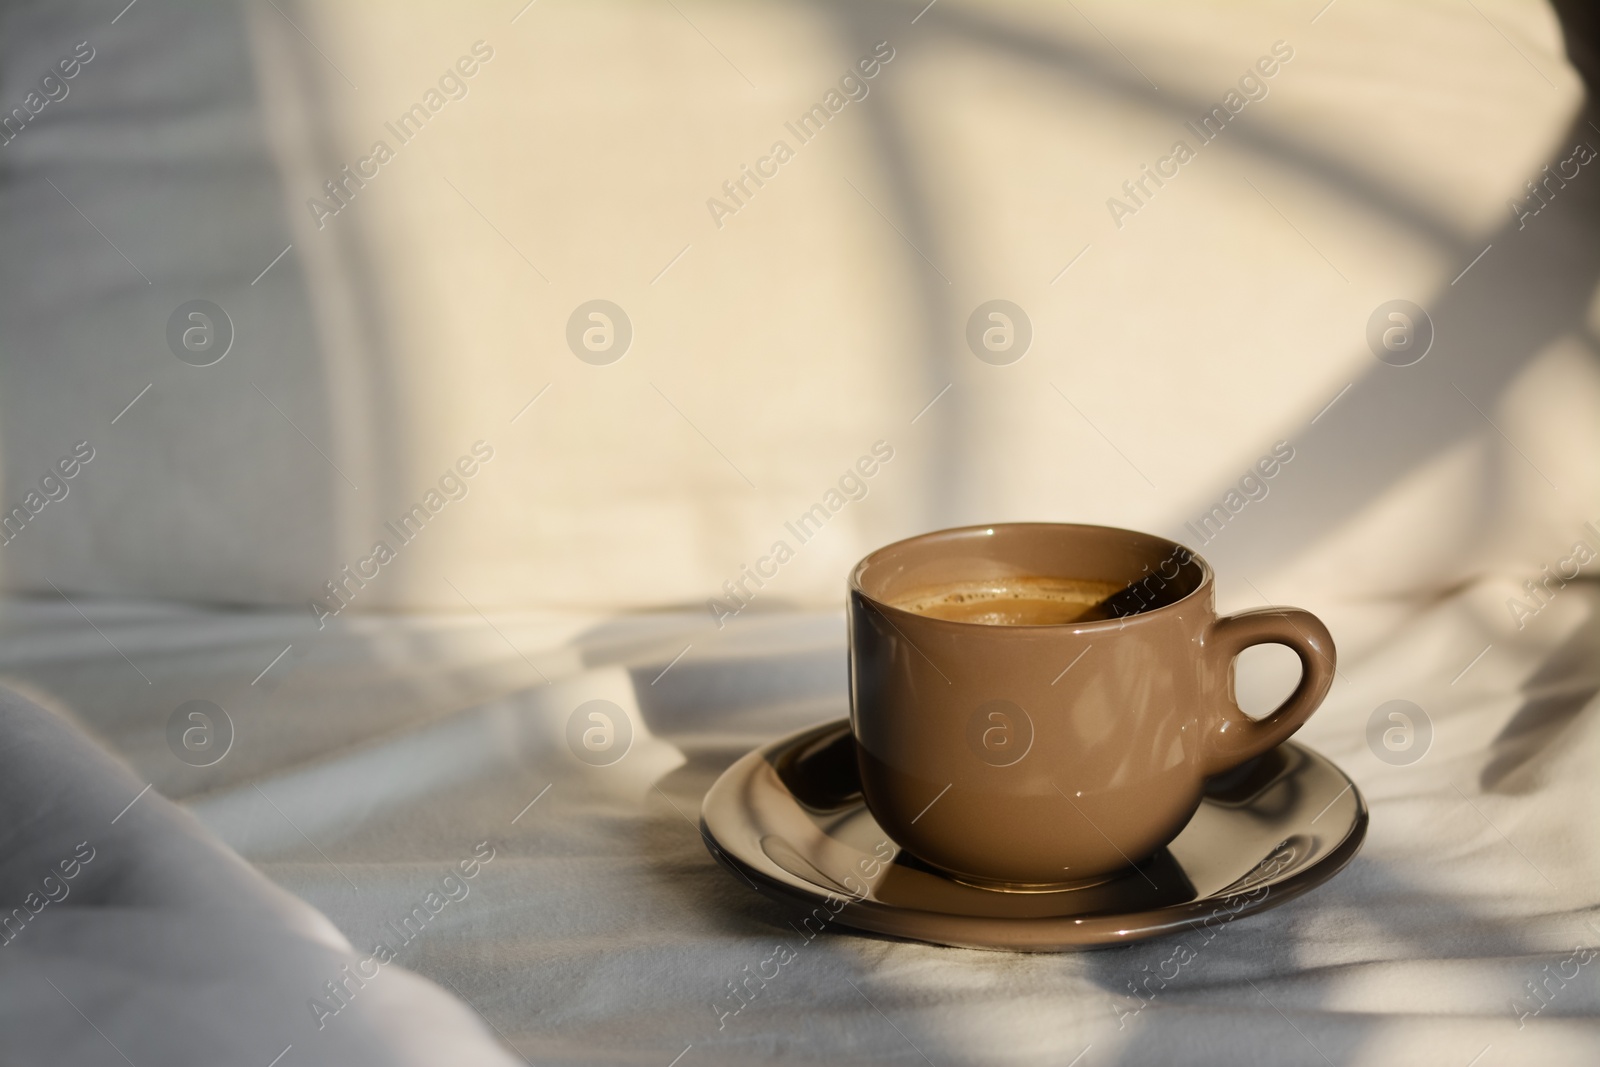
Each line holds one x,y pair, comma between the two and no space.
1029,757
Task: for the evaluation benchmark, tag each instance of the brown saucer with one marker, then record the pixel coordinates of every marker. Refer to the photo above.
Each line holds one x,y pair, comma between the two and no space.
789,819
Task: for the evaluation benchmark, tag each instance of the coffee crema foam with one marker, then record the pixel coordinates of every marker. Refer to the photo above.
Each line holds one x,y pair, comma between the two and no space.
1012,601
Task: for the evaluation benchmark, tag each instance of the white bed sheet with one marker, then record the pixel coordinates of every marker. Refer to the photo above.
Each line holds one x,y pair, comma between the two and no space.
375,756
368,763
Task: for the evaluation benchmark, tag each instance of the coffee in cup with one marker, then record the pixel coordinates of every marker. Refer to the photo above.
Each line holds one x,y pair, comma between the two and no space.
1024,600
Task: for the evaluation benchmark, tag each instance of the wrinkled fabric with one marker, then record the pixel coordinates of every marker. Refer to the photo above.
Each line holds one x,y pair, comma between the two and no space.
603,932
130,934
605,551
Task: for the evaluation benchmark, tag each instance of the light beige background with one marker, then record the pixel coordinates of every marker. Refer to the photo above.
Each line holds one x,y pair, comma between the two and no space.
823,317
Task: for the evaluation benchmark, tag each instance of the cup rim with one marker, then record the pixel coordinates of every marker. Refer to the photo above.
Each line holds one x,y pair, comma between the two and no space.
1095,626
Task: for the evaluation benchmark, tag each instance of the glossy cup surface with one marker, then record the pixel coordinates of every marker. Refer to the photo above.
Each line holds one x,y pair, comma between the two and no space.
1032,757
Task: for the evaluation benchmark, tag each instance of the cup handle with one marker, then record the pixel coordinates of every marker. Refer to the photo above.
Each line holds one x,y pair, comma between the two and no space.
1237,737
